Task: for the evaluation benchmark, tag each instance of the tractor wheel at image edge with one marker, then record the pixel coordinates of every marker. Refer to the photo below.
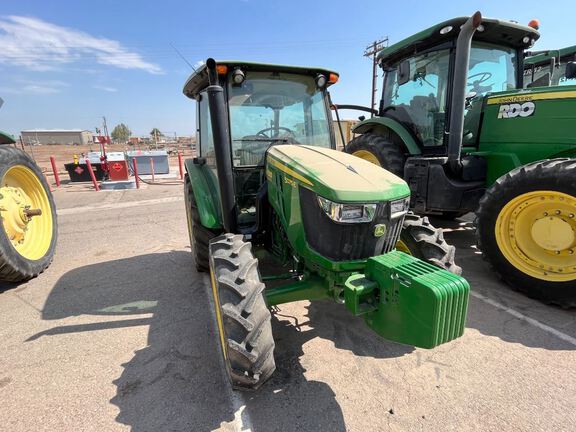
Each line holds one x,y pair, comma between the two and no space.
29,226
199,236
242,315
378,150
526,229
422,240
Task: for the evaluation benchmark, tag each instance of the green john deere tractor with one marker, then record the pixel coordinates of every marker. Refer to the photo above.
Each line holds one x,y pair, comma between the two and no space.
27,214
550,67
455,122
276,215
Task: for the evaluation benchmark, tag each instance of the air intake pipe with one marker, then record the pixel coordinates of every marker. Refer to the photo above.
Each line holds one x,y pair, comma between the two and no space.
462,62
222,147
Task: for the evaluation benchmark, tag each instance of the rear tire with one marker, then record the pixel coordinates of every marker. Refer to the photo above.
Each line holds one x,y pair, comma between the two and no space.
422,240
243,317
27,244
380,151
519,215
199,235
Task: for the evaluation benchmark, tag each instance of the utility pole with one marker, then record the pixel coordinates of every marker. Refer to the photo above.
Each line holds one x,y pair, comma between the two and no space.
371,51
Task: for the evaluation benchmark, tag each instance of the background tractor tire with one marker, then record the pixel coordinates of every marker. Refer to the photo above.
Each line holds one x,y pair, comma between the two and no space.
27,241
241,312
380,151
422,240
526,230
199,235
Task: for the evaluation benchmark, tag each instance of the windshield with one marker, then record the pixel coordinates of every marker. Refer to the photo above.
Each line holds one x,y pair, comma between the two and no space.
418,100
275,108
492,69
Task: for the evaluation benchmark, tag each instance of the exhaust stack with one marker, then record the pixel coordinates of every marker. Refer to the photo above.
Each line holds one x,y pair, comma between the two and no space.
463,46
222,147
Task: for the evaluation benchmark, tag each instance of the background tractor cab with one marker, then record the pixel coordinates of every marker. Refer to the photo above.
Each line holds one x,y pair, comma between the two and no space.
550,67
457,123
268,183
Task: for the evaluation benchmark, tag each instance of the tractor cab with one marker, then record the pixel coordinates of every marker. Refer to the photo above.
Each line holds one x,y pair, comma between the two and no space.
267,105
419,74
435,88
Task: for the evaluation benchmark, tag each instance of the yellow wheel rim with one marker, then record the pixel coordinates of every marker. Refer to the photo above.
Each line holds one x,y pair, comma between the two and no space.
368,156
401,246
536,232
26,213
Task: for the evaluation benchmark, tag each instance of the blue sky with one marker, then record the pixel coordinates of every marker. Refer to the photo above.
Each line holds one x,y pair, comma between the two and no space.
64,64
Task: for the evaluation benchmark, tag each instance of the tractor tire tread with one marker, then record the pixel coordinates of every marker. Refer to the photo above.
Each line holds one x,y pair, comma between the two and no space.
427,243
390,154
245,316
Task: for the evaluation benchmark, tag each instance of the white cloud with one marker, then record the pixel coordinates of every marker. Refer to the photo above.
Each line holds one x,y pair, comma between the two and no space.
34,87
39,45
105,88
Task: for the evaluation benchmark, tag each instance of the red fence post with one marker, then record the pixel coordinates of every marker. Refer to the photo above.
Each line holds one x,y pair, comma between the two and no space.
135,168
152,168
180,165
91,171
55,170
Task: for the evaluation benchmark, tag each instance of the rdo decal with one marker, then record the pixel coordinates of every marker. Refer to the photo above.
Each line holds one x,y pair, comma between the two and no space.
516,110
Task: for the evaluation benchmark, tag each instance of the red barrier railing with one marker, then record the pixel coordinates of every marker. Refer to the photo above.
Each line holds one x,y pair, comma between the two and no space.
92,176
55,171
135,166
180,165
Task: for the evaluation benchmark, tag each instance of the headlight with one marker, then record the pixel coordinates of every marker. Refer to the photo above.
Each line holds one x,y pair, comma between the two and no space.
399,207
347,213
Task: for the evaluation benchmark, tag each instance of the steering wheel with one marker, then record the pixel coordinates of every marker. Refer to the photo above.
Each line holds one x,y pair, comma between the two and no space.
263,131
484,76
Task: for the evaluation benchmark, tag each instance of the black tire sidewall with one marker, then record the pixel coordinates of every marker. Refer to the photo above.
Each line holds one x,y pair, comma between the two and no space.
21,266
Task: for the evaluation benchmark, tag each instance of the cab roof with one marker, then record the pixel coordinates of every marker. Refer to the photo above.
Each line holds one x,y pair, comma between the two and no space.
506,33
198,81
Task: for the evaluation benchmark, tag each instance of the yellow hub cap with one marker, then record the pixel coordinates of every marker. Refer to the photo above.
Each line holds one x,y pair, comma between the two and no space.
401,246
536,232
25,212
366,155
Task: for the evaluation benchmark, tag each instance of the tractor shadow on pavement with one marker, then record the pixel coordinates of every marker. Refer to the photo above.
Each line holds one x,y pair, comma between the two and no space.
176,382
490,320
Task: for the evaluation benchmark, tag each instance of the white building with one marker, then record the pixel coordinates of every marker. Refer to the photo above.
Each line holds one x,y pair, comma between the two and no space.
56,136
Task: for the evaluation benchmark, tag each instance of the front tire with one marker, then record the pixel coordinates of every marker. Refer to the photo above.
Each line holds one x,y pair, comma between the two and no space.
422,240
526,230
380,151
28,216
242,315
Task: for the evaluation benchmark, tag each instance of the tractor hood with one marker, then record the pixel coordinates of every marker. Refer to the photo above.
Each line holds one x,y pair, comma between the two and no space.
335,175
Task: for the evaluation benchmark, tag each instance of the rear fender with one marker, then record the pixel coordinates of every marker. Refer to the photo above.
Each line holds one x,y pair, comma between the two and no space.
206,192
381,124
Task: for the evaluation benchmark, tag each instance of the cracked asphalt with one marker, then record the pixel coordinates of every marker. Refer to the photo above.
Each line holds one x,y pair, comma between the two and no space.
118,334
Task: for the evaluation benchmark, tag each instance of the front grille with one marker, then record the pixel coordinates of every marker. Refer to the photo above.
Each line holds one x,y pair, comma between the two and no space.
347,241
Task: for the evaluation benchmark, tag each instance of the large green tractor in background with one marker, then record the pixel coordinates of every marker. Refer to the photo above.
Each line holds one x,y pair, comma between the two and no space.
27,214
455,122
550,67
276,215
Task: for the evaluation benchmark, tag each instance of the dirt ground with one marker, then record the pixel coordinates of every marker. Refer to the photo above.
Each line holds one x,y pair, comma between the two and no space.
119,334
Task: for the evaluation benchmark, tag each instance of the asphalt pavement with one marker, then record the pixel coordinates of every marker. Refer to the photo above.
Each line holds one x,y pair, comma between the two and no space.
119,334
